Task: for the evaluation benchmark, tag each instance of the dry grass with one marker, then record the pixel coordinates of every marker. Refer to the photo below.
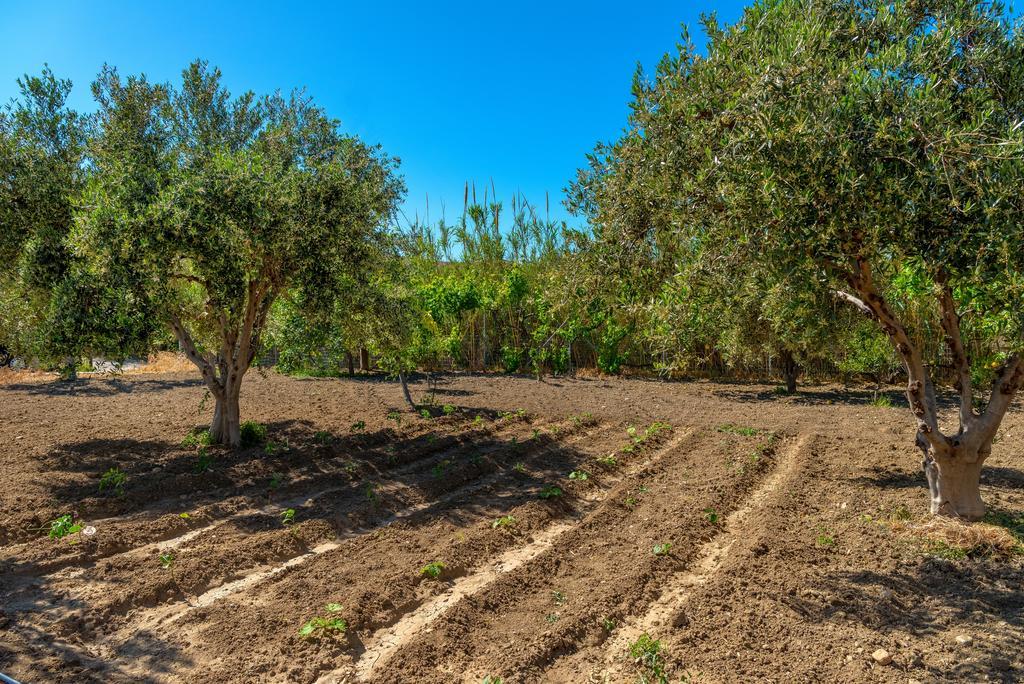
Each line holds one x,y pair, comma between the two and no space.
953,538
165,362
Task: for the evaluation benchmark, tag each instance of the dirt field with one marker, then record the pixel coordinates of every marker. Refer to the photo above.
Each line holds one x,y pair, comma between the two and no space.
789,561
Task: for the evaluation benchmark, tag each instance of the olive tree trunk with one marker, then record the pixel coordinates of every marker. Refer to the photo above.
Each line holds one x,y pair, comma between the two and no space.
954,480
952,462
790,370
226,426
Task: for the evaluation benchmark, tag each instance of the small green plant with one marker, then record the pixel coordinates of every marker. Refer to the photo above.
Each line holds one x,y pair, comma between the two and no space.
609,461
535,433
505,521
439,468
550,492
204,461
943,549
559,597
448,409
631,501
607,624
662,549
252,434
370,491
492,680
323,437
114,480
425,414
184,516
358,426
579,475
395,416
325,624
433,570
551,618
881,400
288,516
272,447
63,526
731,429
196,437
646,654
825,540
478,420
276,480
167,561
711,515
519,467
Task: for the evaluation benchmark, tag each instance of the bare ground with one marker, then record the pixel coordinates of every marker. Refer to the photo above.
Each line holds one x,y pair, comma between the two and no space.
782,566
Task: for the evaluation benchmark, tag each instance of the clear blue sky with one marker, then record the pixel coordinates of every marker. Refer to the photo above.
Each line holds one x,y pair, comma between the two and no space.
517,92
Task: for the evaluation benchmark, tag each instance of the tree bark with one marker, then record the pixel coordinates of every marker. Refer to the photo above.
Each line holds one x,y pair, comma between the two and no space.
364,360
790,370
954,482
226,426
351,363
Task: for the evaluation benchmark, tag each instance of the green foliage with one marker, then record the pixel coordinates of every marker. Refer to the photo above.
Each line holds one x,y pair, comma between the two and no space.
196,437
288,516
731,429
550,492
504,522
167,560
646,655
63,526
204,461
663,549
358,426
325,625
252,434
433,570
114,479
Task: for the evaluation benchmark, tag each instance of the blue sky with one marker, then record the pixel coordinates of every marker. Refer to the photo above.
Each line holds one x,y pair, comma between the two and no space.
514,92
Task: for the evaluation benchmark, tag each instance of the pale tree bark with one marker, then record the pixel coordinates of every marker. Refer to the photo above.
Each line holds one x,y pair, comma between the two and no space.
223,373
952,463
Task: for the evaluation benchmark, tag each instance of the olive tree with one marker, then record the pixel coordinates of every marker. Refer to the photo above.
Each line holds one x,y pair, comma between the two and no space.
41,173
218,205
848,142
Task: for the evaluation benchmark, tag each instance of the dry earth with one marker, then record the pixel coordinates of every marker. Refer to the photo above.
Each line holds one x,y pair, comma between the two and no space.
784,564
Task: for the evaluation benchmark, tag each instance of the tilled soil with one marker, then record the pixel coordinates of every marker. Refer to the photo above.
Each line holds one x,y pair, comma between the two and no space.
744,530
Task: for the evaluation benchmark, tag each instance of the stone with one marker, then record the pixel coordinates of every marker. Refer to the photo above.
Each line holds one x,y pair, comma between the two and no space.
964,640
882,657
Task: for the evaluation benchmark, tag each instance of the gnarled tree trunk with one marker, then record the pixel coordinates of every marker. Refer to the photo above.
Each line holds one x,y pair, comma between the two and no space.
226,426
954,483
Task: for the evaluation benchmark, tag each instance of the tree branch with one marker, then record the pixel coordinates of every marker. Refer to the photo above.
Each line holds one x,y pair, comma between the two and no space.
954,340
920,392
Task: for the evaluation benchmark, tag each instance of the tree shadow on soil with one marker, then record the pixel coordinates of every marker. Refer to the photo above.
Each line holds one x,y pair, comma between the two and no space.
33,654
923,601
889,478
100,387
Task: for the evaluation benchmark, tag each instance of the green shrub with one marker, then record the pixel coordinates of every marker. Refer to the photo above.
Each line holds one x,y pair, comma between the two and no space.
253,434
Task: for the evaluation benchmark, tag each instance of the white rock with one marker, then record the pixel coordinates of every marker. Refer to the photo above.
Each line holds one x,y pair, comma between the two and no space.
882,657
964,640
